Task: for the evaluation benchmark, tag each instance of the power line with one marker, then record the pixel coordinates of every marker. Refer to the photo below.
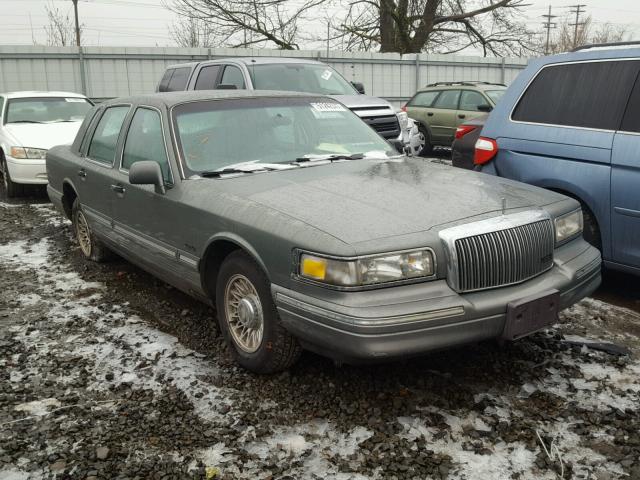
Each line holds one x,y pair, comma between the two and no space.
548,25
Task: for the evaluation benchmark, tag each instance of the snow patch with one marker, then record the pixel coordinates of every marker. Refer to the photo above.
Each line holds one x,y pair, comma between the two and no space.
38,407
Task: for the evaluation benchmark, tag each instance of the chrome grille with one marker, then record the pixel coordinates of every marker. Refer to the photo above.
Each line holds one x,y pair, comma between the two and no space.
504,257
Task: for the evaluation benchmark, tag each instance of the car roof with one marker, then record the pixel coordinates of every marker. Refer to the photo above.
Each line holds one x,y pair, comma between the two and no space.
601,52
251,61
35,93
169,99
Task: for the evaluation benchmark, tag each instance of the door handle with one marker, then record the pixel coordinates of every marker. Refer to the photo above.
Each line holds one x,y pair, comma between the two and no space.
118,188
429,114
462,116
82,173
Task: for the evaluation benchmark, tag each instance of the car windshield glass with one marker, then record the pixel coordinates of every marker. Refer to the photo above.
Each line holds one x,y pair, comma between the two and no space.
46,109
309,78
495,95
214,134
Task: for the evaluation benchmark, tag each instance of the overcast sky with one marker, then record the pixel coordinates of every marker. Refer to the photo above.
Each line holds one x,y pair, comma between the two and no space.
146,22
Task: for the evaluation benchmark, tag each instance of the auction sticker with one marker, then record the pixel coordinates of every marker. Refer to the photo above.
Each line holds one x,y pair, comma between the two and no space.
328,107
326,75
74,100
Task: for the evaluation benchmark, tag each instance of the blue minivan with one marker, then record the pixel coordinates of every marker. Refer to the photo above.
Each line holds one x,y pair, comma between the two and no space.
571,123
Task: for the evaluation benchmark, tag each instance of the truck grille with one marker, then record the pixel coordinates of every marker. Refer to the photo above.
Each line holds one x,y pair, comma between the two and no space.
386,125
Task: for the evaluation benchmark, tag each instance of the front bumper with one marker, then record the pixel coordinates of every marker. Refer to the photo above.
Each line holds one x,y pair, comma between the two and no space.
414,319
27,171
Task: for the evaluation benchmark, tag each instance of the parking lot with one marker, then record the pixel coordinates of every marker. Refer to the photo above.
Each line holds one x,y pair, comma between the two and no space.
108,373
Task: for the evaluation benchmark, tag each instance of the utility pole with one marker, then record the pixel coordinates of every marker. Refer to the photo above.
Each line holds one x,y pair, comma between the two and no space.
548,25
75,10
577,9
328,35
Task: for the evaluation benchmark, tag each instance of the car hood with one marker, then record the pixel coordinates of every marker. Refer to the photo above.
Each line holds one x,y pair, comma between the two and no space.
43,135
363,200
356,102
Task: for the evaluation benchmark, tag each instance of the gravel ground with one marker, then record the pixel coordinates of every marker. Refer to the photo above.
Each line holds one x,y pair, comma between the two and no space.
106,373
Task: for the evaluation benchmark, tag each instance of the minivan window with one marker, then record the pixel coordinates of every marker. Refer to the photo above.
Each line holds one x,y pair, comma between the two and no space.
584,94
448,99
232,76
179,79
146,142
207,78
423,99
164,83
103,144
631,120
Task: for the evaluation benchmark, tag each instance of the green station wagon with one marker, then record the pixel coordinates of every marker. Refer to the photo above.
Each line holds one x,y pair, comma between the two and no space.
306,229
440,107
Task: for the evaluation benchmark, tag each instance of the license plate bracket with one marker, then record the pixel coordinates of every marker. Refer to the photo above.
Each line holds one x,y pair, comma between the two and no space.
530,314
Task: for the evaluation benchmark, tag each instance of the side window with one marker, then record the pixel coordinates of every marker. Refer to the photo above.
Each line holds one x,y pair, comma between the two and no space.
586,94
207,78
447,99
631,120
178,81
145,142
232,76
424,99
103,143
164,83
470,100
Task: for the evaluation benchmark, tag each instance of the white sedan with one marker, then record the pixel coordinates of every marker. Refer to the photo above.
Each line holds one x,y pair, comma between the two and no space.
30,124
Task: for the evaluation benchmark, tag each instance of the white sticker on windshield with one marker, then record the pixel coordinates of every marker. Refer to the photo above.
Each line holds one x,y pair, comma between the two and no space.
328,107
74,100
326,75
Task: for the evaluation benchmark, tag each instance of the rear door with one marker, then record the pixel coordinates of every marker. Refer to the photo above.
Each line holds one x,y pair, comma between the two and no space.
206,78
444,117
418,108
625,186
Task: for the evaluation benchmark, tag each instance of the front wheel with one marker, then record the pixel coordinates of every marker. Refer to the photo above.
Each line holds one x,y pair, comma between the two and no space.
13,189
248,317
424,148
90,246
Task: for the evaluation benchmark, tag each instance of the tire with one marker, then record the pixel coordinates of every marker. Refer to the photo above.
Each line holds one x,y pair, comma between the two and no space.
591,230
243,298
11,188
427,149
91,248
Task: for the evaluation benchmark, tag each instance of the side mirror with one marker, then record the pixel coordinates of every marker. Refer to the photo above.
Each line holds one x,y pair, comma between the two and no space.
485,107
147,172
359,87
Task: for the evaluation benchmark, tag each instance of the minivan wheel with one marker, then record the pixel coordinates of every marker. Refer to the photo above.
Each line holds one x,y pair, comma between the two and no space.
425,142
90,246
248,317
10,187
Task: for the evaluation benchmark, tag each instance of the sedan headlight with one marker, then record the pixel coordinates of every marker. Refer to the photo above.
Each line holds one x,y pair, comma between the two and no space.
368,270
26,152
568,226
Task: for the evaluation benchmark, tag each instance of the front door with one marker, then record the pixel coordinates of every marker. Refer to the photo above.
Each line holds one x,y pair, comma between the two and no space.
470,100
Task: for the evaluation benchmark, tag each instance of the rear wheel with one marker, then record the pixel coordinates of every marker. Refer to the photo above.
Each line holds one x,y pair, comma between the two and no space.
13,189
425,147
90,246
248,317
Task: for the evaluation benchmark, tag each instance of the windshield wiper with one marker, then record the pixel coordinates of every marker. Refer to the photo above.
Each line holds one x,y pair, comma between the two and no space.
25,121
245,167
225,171
331,158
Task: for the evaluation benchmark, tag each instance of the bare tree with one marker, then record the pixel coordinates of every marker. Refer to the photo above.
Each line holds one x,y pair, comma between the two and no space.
564,40
246,23
192,32
443,26
61,30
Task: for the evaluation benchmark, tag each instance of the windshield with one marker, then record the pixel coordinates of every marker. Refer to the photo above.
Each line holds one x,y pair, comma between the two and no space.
495,95
46,109
309,78
215,134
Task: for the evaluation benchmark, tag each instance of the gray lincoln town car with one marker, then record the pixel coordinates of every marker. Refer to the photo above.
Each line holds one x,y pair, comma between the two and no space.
306,229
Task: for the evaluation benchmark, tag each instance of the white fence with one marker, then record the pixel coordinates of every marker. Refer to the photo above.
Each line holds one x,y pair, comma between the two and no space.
107,72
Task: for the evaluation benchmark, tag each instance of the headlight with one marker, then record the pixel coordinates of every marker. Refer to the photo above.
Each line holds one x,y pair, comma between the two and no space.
568,226
32,153
403,119
369,270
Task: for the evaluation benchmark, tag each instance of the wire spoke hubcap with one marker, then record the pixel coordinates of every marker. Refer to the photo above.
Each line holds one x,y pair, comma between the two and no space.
243,312
83,234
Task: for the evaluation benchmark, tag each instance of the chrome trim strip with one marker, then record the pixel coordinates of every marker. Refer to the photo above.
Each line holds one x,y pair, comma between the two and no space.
627,212
355,321
136,236
188,259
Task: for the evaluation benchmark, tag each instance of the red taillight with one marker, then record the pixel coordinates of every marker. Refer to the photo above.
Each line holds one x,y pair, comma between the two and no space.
486,149
404,108
462,130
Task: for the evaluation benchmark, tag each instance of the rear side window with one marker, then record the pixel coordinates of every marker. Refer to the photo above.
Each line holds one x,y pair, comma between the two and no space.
179,79
588,95
164,83
103,144
232,76
448,99
424,99
207,78
631,120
